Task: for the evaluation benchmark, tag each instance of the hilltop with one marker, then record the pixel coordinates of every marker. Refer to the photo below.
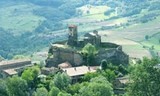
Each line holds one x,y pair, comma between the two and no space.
30,25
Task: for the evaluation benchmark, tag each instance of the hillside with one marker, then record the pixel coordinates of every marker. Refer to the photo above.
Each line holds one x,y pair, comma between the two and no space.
28,26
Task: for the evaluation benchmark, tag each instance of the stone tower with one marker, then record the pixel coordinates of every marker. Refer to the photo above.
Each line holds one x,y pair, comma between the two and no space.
72,36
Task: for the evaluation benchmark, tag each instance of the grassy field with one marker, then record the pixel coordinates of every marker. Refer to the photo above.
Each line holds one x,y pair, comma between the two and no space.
95,12
132,48
19,18
153,41
132,37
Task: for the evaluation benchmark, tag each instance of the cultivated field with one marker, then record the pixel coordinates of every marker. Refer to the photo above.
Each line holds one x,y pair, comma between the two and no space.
131,37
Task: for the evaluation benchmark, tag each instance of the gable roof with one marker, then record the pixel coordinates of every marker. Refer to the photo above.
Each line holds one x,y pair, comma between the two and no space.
78,71
10,72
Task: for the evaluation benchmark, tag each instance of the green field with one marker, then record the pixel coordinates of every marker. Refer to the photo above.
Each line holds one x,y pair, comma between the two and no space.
92,12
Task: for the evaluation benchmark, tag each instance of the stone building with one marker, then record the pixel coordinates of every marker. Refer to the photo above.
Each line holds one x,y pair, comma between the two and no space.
120,85
62,53
69,51
76,73
73,35
93,37
13,67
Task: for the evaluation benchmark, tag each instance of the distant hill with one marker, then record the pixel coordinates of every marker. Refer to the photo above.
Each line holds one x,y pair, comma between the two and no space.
27,26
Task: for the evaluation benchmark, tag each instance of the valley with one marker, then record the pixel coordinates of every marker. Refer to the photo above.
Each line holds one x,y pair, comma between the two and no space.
28,22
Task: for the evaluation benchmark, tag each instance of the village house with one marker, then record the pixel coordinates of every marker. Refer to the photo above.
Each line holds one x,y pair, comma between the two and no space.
13,67
120,84
76,73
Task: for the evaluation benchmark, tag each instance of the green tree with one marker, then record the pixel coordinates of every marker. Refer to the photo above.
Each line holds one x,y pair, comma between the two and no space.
145,79
54,91
98,86
64,94
89,76
30,75
62,80
89,51
146,37
41,92
109,75
73,89
17,86
3,88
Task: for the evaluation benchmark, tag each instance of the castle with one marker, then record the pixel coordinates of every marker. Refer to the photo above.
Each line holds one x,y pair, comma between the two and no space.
68,51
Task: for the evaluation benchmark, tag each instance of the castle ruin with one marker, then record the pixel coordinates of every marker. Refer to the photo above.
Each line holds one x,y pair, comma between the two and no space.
68,51
72,36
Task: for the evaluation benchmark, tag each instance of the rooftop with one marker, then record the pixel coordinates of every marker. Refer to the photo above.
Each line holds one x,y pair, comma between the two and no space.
10,71
123,80
77,71
9,62
65,65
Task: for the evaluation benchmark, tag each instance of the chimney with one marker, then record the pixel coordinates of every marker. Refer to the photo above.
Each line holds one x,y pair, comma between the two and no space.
75,69
89,68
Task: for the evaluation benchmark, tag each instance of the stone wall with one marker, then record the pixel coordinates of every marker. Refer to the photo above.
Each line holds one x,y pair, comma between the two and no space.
113,56
109,45
111,52
64,55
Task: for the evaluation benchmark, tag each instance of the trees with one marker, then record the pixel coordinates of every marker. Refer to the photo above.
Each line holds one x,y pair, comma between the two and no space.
3,88
98,86
54,91
109,75
145,79
74,89
41,92
17,86
62,80
30,75
89,51
64,94
89,76
146,37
